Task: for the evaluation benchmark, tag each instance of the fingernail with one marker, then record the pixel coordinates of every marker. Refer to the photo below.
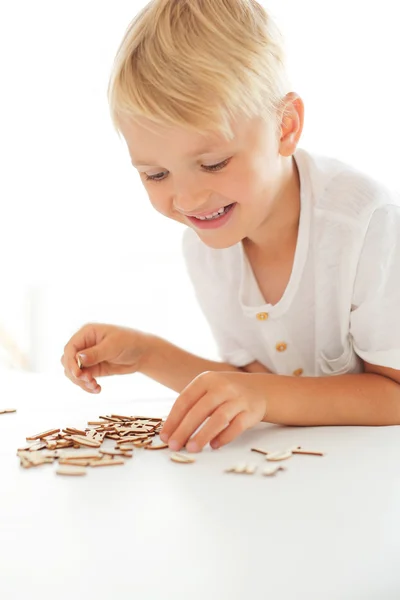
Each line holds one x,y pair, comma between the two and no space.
174,445
96,391
192,447
164,437
215,445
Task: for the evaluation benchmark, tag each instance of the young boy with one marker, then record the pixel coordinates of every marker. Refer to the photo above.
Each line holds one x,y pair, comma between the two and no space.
295,258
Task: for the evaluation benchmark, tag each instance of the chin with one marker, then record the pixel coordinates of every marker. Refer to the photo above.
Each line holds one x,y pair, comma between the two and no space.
218,242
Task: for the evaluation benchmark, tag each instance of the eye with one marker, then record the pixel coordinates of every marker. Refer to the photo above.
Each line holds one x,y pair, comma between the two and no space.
158,177
211,168
217,167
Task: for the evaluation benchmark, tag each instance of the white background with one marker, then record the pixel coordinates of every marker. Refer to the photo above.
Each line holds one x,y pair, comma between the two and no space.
79,240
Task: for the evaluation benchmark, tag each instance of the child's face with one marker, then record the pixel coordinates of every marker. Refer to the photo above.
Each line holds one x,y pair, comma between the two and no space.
187,174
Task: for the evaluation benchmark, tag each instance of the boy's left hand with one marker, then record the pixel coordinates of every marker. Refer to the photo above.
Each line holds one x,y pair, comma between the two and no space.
233,401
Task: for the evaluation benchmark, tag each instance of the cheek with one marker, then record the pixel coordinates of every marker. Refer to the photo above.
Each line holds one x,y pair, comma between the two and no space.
158,199
261,178
243,185
161,201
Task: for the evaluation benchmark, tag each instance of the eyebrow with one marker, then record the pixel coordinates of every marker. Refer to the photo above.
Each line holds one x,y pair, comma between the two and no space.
198,152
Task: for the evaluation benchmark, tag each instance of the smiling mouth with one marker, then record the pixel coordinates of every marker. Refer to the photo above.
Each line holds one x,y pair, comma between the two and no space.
214,216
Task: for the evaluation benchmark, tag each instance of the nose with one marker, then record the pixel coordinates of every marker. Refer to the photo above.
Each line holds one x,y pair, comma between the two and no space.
189,198
189,206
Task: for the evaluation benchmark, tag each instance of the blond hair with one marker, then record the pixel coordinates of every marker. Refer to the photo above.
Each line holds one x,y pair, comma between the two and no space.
199,64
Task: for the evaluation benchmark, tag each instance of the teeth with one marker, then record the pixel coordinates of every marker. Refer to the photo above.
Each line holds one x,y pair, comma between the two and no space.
212,215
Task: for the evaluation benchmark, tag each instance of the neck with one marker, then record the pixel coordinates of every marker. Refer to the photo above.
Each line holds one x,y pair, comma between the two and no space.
280,228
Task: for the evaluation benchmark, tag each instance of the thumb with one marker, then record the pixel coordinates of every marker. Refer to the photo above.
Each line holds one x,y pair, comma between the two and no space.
94,355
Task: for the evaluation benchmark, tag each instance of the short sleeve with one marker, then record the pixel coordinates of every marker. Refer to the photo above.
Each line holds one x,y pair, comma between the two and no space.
213,296
375,316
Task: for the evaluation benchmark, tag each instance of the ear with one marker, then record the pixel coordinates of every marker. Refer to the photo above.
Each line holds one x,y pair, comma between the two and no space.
292,121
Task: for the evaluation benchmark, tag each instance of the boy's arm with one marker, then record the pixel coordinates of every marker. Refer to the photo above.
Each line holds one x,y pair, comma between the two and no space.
368,399
175,368
235,402
360,399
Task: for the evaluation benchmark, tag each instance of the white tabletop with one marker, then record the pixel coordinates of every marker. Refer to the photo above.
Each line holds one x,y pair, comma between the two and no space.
325,529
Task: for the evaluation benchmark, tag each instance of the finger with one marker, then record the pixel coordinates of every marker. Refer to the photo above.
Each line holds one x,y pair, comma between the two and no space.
193,419
84,338
87,358
89,385
71,367
189,396
85,341
218,422
237,426
75,373
101,352
92,386
96,389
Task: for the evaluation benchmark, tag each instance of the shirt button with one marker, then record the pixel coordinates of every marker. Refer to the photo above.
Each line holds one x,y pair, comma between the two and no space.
298,373
281,347
262,316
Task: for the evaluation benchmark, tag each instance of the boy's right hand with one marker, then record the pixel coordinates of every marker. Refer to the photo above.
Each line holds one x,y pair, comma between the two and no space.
103,350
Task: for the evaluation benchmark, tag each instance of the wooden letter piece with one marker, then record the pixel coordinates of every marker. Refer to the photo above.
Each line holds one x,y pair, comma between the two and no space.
107,462
69,470
84,441
242,469
182,458
270,471
39,436
158,447
116,453
88,454
299,450
275,456
260,451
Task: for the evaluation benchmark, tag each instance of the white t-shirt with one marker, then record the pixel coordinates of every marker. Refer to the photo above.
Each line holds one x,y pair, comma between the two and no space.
342,301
